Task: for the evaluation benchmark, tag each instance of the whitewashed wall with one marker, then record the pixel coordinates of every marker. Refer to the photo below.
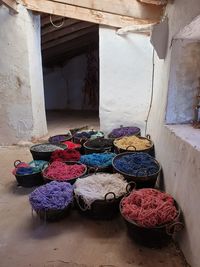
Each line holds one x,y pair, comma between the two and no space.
125,79
63,86
178,146
22,114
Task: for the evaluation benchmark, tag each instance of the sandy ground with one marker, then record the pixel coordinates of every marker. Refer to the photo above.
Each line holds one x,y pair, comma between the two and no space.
25,241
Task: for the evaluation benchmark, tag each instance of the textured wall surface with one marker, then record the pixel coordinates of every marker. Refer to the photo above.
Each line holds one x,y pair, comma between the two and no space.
125,79
177,147
21,86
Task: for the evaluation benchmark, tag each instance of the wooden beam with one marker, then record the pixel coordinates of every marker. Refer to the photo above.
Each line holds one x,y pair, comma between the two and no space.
50,28
69,37
60,32
85,14
130,8
11,4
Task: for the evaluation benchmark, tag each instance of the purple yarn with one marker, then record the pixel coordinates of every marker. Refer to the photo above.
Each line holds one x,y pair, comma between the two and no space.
54,195
124,131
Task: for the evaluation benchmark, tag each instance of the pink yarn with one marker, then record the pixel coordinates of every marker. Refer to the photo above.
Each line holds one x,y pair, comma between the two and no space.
149,208
20,165
60,171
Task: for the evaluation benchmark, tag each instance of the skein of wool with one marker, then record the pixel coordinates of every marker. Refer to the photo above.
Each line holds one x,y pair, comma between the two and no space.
149,208
137,164
54,195
129,142
124,131
101,160
60,171
96,186
65,155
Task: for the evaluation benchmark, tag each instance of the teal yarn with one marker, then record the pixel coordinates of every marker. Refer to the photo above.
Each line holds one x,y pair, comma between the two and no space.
101,160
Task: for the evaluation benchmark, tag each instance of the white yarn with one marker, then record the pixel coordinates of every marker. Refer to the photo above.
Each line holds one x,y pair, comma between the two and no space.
96,186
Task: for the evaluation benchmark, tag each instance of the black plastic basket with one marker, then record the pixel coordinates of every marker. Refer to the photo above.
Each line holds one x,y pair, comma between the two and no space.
150,150
44,155
53,215
107,169
90,148
147,181
156,237
72,180
66,137
28,180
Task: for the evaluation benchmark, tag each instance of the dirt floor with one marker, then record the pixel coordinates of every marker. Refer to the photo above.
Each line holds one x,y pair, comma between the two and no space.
25,241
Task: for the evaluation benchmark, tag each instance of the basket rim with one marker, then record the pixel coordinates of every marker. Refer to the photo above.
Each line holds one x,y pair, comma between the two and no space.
71,179
85,145
156,227
131,175
30,174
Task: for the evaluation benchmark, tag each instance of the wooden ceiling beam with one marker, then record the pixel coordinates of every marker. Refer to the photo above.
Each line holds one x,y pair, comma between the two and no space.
64,31
86,14
11,4
50,28
69,37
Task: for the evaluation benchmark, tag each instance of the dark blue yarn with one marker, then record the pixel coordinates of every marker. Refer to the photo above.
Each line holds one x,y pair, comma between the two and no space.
98,159
137,164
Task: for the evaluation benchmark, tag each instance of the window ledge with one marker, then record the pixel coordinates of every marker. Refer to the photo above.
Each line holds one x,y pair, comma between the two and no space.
187,133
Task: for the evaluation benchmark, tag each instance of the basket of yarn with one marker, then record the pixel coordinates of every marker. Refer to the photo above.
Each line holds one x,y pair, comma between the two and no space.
152,217
60,138
52,201
65,155
140,168
64,171
44,151
82,136
134,144
29,174
98,162
98,195
98,145
124,131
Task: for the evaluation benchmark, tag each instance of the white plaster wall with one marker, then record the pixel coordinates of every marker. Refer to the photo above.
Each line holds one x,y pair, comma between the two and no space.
21,92
64,85
177,148
125,79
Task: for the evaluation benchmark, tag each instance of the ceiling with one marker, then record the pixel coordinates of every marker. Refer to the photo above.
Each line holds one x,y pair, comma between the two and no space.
64,38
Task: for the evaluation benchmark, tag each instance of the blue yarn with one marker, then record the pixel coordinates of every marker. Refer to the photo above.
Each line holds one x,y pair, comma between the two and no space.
24,170
137,164
98,159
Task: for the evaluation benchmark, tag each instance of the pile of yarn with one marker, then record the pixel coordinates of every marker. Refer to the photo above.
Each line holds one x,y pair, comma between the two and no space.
96,186
54,195
71,145
137,164
88,134
60,138
65,155
149,208
99,143
46,148
101,160
124,131
60,171
24,168
132,143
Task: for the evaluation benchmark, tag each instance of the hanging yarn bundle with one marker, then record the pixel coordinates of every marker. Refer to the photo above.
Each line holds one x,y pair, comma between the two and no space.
133,143
71,145
96,160
65,155
96,186
60,171
46,148
124,131
54,195
149,208
137,164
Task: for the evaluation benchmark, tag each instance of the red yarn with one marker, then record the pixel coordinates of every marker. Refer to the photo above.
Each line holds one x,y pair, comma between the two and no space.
71,145
149,207
59,171
65,155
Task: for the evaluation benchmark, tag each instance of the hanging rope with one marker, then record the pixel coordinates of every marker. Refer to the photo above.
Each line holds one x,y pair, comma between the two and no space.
57,26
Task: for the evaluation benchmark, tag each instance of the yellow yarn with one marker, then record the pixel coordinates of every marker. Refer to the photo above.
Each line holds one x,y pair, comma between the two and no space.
138,143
